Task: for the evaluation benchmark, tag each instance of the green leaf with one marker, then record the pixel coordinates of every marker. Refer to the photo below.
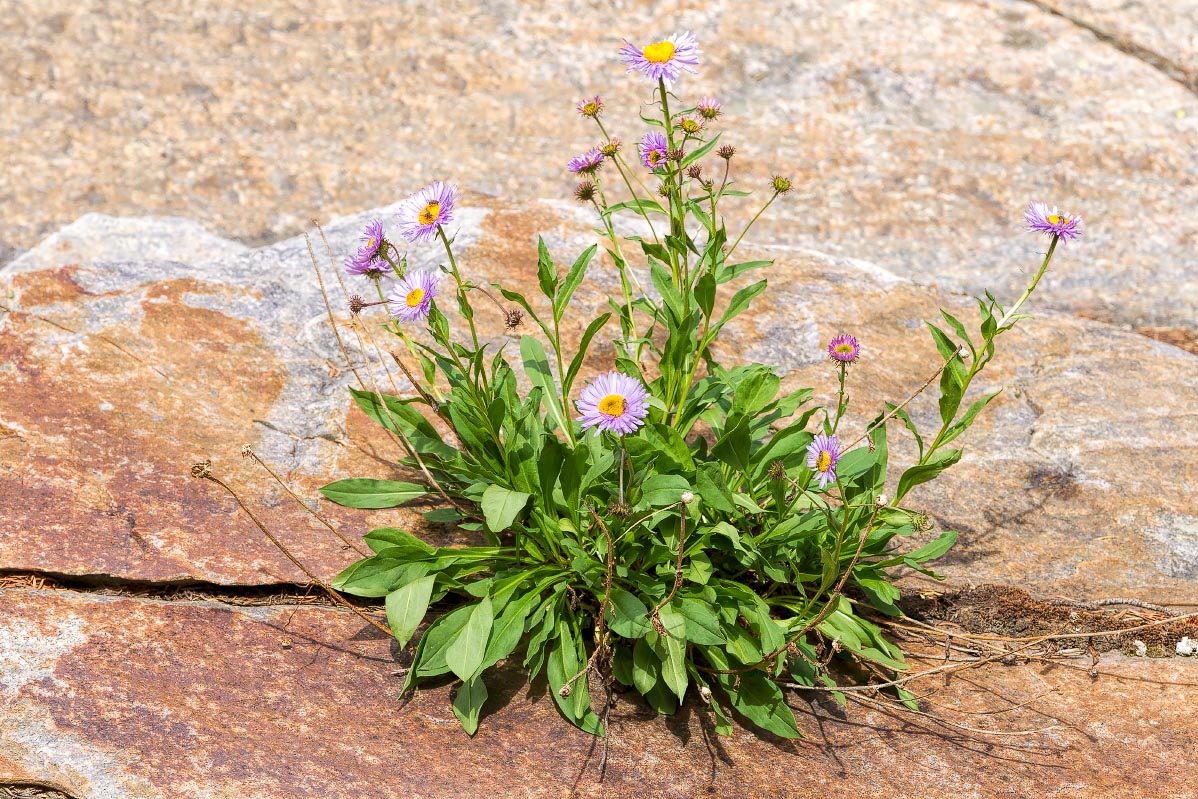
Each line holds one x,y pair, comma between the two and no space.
760,700
627,616
468,702
673,622
733,270
695,155
406,607
755,392
640,206
536,366
465,655
673,670
566,659
660,490
919,474
709,480
546,272
501,506
705,293
566,290
962,424
702,624
397,543
378,576
363,492
509,629
583,344
935,549
645,666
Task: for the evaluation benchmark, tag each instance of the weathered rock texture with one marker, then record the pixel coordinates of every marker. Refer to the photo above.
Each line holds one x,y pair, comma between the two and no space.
133,698
1076,479
914,130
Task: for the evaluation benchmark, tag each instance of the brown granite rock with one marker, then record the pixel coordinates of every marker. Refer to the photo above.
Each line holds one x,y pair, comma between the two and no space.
1076,480
119,697
914,130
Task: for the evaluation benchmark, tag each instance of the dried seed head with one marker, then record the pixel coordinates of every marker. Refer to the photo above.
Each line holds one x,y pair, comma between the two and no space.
246,451
585,191
726,152
776,471
694,171
663,191
565,691
512,319
676,154
618,510
657,625
356,304
201,469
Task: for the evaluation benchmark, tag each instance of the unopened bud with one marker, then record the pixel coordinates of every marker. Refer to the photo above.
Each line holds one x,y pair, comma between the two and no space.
881,500
687,497
705,694
564,691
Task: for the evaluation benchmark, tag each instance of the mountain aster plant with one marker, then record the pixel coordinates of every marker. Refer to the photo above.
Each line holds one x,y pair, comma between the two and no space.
676,525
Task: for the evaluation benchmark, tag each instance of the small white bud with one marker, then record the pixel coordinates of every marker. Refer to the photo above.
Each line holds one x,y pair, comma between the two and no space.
705,694
687,497
963,352
881,500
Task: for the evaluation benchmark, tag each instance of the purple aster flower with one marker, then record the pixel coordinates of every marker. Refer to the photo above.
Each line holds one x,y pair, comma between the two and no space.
411,298
614,402
653,149
587,163
1039,218
590,108
710,108
844,349
368,259
822,455
428,209
663,60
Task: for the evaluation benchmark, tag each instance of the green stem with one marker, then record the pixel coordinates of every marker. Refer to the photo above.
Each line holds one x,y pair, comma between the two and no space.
736,243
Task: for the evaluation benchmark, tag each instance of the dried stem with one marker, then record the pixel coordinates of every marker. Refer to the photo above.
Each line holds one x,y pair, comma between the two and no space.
249,453
203,471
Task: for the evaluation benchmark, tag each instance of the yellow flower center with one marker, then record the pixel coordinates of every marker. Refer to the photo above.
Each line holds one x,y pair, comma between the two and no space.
590,109
1057,219
612,405
415,297
429,213
690,126
844,349
823,461
654,157
370,242
659,52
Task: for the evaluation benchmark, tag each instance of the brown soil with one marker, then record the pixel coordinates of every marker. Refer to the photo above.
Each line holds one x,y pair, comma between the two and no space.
1005,611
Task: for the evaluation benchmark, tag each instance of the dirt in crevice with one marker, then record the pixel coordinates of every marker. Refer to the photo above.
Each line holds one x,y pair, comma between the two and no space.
31,790
182,591
1007,611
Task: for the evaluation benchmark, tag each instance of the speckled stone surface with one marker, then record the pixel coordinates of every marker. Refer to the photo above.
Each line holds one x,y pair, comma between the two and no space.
120,698
1075,480
914,130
